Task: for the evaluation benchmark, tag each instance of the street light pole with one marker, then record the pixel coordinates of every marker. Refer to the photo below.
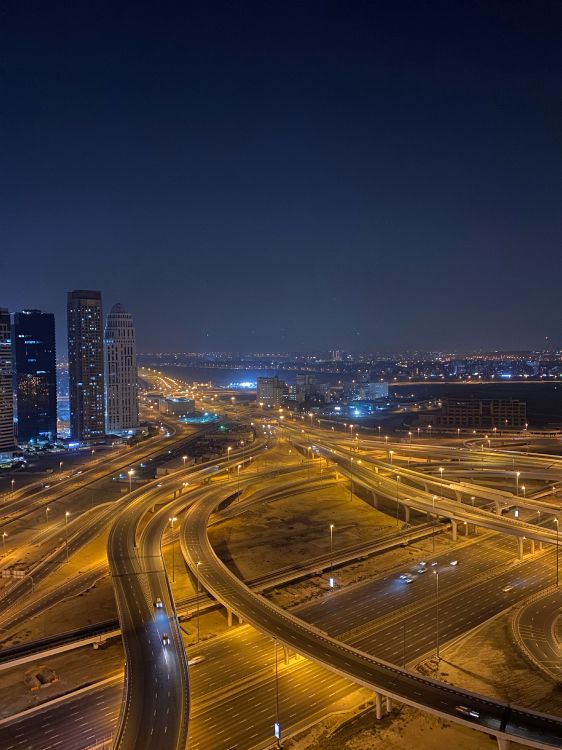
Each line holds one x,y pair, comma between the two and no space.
437,600
277,726
4,535
517,475
350,479
441,470
557,540
433,527
66,532
198,590
172,521
130,473
331,555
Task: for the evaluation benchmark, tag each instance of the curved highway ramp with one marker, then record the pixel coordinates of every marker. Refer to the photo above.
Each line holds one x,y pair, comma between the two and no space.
475,711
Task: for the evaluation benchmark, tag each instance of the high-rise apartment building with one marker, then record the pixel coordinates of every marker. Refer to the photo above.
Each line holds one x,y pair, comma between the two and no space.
483,414
271,391
377,390
36,375
122,402
85,365
7,441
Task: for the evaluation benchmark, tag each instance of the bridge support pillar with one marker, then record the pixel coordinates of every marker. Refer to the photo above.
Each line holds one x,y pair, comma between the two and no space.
519,548
286,654
454,529
388,704
532,546
503,743
465,529
458,496
539,546
375,499
378,705
229,617
498,508
406,514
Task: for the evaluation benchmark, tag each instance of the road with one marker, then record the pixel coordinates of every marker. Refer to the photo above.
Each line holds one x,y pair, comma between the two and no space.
490,716
535,626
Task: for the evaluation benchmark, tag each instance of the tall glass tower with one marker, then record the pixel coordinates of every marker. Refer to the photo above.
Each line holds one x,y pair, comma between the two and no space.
36,375
85,365
122,401
7,441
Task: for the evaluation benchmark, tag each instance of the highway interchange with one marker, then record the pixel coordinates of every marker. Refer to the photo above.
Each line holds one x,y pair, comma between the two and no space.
226,701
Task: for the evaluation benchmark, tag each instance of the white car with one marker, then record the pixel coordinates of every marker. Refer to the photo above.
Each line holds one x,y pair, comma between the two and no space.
158,603
165,639
507,588
467,712
454,562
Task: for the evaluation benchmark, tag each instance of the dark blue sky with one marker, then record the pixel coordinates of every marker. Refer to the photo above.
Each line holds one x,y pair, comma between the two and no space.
288,175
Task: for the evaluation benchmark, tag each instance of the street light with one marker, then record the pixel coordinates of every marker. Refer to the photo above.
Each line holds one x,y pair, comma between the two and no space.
198,589
238,480
433,528
4,535
557,540
331,580
410,436
523,488
397,481
130,473
517,475
13,483
47,514
441,470
436,573
60,465
66,515
184,459
172,521
390,453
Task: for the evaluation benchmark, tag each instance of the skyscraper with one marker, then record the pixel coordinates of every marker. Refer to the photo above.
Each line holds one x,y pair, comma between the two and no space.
85,365
122,403
7,441
36,375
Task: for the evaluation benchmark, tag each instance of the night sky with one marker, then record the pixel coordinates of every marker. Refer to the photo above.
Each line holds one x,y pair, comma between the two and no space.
290,175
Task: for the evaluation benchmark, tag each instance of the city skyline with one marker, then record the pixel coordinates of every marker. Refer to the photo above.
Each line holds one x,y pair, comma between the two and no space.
383,176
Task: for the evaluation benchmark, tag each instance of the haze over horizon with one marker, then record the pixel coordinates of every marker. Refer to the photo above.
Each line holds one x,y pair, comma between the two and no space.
288,177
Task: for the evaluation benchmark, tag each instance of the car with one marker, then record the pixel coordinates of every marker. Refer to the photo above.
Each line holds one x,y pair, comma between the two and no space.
408,579
158,603
422,562
454,562
467,712
165,639
403,576
433,564
421,570
507,588
195,660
